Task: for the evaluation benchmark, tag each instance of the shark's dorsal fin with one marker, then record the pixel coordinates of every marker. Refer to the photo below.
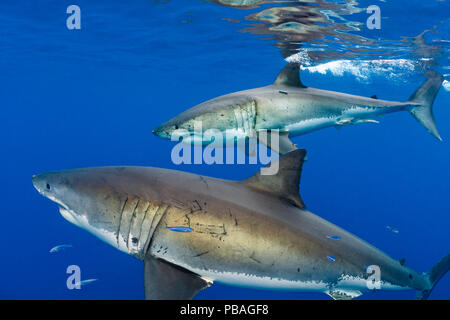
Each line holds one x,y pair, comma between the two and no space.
285,183
289,76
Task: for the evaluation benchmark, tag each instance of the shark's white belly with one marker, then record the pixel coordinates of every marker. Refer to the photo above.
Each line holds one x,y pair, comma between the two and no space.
345,282
262,282
309,125
352,115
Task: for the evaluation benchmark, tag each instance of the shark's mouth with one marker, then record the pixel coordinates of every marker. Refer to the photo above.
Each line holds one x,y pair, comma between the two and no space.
68,215
196,139
82,222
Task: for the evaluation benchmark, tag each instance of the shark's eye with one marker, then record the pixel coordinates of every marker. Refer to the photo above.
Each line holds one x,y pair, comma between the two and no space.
176,127
48,186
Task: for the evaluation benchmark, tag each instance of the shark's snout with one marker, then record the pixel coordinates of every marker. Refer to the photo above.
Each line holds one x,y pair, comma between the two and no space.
50,186
169,130
40,183
162,132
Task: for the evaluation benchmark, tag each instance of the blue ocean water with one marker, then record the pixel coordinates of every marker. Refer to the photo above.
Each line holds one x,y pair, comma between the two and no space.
91,97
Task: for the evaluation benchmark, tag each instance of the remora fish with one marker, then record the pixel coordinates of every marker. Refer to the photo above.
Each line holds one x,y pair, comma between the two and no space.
254,232
60,247
85,282
294,109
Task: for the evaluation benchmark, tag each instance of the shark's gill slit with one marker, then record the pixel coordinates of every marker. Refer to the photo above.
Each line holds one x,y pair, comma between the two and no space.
137,224
145,228
245,115
238,117
120,220
248,116
125,221
253,114
151,215
160,212
249,119
130,225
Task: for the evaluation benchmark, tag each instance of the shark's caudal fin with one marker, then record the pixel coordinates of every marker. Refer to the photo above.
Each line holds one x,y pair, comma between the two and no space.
165,281
436,273
423,99
284,184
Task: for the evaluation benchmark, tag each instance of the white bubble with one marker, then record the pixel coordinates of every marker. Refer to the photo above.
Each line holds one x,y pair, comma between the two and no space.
446,85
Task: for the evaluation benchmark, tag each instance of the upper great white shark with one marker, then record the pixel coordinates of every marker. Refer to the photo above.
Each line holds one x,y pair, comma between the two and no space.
254,232
290,108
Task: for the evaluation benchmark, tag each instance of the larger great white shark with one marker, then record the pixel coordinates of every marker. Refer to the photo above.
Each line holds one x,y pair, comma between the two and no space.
292,109
192,230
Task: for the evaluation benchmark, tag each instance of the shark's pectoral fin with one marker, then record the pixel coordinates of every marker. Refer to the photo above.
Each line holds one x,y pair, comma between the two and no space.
165,281
284,183
248,147
277,141
285,145
343,294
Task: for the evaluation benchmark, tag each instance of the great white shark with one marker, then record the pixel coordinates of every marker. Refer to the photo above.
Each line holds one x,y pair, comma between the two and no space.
290,108
192,230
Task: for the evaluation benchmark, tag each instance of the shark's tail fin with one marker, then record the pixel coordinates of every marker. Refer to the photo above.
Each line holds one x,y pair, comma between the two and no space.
422,102
436,273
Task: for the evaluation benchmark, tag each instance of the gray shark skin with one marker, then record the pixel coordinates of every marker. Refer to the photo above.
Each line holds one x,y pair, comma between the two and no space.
294,109
254,232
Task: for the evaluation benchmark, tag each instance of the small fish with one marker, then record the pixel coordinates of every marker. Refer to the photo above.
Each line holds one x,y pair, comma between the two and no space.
180,229
367,121
334,237
393,230
84,282
60,248
345,121
331,258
